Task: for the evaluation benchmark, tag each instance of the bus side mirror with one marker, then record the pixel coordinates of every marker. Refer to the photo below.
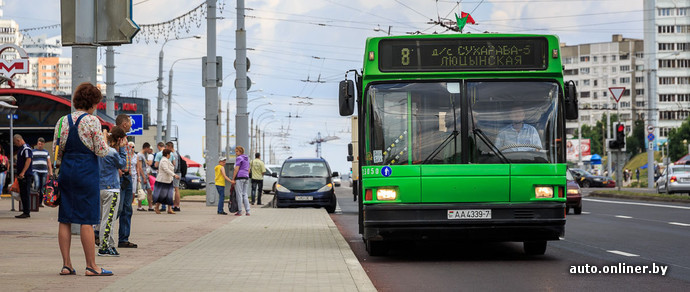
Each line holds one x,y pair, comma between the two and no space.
571,110
350,157
346,97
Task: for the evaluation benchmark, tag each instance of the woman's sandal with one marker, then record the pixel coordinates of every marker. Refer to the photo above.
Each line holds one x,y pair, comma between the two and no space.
71,271
103,272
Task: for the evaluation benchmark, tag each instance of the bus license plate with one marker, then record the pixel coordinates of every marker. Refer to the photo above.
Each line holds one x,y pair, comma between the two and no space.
470,214
304,198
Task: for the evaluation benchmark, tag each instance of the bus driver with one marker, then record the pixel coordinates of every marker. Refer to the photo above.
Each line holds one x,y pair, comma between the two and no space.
517,135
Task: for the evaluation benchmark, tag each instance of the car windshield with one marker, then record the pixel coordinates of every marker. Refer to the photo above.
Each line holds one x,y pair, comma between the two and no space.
275,169
459,122
304,169
569,176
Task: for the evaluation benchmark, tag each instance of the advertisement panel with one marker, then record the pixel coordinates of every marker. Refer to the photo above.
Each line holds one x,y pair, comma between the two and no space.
571,149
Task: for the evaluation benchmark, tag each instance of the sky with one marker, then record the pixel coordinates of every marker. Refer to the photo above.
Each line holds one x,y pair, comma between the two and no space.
300,50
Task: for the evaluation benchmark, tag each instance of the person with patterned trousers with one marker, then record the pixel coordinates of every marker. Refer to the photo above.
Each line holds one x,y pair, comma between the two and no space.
40,163
81,143
110,189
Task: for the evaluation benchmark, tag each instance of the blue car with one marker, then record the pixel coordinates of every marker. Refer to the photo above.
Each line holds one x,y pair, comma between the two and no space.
305,182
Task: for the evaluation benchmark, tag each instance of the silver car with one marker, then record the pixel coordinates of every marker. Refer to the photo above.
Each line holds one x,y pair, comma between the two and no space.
270,179
674,179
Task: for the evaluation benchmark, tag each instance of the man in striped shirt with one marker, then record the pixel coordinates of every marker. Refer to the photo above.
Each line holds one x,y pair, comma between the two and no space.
42,167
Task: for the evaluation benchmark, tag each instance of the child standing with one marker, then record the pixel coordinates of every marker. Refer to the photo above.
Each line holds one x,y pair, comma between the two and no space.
109,166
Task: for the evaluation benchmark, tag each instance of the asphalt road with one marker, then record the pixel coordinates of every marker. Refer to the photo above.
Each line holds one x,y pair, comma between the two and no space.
624,234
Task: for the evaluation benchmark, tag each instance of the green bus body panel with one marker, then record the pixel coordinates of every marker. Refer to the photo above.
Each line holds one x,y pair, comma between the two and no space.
465,183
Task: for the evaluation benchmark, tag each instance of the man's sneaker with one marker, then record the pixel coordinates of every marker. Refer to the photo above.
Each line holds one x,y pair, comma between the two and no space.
176,209
108,252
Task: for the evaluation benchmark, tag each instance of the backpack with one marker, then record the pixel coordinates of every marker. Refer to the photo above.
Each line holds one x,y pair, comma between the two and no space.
51,193
183,166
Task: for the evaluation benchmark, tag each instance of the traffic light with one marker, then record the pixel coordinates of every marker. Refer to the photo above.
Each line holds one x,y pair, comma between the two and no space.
620,136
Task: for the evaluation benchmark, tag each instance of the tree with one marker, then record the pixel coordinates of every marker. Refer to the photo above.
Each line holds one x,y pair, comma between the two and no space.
597,135
676,148
635,143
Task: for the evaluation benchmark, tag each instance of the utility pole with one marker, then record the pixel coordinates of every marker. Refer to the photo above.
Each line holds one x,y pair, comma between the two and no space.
650,49
84,52
227,132
211,98
110,81
242,116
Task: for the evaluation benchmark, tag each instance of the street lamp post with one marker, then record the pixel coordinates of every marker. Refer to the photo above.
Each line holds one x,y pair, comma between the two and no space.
168,124
251,125
159,110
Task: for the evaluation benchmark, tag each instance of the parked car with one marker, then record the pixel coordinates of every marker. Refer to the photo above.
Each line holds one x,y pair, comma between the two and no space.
674,179
305,182
573,195
336,179
271,178
191,181
587,180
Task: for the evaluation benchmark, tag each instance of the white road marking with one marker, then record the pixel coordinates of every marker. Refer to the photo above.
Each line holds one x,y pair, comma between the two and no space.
635,203
679,224
624,217
623,253
586,213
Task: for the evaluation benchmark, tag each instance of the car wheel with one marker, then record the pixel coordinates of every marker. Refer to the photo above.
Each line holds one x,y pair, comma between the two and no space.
183,185
376,248
274,202
274,188
658,189
535,247
578,210
585,184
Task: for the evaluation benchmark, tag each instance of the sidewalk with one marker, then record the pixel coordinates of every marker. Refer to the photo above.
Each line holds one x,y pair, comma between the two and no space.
193,250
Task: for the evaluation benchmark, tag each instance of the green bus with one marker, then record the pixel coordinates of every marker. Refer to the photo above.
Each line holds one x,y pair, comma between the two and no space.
461,137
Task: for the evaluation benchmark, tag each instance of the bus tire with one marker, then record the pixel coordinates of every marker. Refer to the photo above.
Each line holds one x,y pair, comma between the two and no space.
376,248
535,247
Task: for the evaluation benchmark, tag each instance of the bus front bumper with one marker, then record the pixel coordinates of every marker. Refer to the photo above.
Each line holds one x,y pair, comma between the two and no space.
508,222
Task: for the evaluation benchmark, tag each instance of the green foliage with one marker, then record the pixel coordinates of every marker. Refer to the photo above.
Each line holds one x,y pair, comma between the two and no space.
596,134
676,147
635,143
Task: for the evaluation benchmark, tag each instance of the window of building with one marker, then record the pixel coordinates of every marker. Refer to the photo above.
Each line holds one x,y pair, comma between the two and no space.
639,103
684,97
667,80
682,11
639,79
596,95
613,57
667,63
639,91
613,81
570,72
683,63
568,60
682,28
667,98
584,71
584,94
683,46
625,80
626,92
665,29
684,80
625,68
595,59
585,82
624,57
604,94
666,46
596,82
613,69
664,12
584,58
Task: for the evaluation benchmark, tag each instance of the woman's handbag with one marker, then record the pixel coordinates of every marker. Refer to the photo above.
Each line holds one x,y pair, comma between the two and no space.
141,194
14,189
3,166
51,193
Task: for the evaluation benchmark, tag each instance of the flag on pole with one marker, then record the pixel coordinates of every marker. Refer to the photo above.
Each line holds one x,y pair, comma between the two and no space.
463,19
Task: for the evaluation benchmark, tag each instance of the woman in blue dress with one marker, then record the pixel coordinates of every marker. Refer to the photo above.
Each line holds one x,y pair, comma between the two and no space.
81,142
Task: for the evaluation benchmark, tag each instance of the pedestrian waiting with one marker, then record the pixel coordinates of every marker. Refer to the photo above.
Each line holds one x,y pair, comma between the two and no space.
109,165
220,179
240,178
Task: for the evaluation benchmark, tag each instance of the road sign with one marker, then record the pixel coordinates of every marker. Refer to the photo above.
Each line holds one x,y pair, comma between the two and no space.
650,137
14,117
616,92
386,171
137,125
650,128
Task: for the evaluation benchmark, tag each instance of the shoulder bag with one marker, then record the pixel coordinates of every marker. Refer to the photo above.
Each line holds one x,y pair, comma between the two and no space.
51,192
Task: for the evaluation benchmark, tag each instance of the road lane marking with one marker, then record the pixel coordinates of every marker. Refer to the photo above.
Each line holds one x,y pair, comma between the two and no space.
623,253
586,213
624,217
679,224
635,203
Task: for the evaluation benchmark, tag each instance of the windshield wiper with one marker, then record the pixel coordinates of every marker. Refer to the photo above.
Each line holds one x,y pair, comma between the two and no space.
445,142
480,133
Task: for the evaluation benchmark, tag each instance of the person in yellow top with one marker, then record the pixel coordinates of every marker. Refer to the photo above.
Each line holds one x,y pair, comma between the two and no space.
257,175
221,177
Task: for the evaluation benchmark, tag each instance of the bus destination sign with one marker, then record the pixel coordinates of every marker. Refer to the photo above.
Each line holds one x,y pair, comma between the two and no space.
463,54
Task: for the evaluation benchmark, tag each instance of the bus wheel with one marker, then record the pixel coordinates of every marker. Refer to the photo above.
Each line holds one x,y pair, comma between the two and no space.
376,248
535,247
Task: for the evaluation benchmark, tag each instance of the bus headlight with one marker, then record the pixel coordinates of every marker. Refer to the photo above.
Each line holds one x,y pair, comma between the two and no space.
326,188
386,195
281,188
543,192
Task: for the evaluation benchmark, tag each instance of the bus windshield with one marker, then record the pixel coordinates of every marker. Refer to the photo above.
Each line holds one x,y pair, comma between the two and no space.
506,122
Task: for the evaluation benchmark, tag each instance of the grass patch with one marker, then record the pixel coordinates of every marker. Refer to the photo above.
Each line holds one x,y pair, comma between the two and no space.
684,198
184,193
